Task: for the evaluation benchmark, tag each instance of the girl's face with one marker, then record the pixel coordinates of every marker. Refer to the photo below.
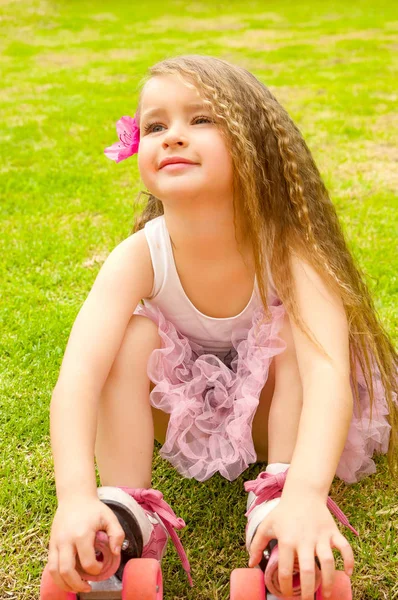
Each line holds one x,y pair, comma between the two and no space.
174,122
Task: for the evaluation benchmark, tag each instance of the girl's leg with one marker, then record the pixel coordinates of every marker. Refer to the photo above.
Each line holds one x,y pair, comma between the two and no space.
160,422
261,418
124,445
276,421
126,423
279,412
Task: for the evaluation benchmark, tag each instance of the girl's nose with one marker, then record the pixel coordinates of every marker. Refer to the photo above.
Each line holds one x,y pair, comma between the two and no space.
174,138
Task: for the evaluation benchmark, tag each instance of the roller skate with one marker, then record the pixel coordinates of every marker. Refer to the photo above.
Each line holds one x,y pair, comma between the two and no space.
148,522
262,582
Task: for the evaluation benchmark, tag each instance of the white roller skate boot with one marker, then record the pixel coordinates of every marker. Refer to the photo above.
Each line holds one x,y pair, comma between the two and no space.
264,496
148,522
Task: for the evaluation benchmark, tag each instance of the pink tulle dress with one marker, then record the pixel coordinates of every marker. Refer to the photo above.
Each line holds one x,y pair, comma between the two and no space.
212,396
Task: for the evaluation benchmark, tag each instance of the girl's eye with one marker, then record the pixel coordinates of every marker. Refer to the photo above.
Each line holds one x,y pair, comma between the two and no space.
151,126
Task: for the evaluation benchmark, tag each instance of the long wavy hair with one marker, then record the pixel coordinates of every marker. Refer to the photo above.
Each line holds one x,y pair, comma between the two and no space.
282,206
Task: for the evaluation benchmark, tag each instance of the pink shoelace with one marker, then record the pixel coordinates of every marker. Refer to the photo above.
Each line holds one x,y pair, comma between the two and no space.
268,487
152,500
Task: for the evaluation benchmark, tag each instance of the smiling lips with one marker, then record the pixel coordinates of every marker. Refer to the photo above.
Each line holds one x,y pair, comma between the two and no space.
175,160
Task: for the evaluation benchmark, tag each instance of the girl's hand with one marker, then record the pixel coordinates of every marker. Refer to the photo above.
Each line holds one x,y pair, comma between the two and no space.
303,527
73,531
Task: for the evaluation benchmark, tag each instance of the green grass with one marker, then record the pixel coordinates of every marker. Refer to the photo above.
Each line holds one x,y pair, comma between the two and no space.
69,72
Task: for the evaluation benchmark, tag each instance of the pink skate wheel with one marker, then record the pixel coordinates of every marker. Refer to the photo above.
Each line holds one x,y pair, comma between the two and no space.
142,580
247,584
49,591
341,588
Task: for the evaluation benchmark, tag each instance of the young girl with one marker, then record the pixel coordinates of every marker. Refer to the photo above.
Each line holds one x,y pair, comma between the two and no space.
232,326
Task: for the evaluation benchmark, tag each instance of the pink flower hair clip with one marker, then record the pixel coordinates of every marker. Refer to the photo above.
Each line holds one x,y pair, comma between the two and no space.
129,136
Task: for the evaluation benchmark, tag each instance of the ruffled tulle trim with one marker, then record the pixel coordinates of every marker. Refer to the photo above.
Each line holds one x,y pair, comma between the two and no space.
212,405
369,432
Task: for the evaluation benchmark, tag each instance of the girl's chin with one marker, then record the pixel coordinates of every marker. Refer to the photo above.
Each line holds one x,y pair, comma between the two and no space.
182,191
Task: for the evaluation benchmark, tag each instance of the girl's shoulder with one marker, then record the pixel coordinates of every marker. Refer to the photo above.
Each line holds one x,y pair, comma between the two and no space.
131,260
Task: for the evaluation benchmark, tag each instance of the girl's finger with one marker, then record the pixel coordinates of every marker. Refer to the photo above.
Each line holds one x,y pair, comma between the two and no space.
67,571
52,566
343,545
286,556
326,558
306,558
86,554
263,536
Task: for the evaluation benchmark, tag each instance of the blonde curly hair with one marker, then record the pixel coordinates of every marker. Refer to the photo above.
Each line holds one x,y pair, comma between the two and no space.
283,207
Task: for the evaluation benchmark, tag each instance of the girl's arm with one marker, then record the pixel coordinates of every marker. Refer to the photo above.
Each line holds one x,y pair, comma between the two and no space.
301,522
97,334
327,396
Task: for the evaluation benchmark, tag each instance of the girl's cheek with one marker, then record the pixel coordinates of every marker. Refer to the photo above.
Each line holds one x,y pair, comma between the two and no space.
142,162
142,168
147,171
141,154
146,160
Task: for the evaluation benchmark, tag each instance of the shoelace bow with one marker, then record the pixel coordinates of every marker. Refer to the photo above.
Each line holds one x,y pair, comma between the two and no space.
267,487
152,500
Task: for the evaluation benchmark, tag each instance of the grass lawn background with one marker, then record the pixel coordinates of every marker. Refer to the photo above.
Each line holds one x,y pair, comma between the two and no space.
70,70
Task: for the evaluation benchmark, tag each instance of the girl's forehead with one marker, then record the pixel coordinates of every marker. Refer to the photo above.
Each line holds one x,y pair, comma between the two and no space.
168,89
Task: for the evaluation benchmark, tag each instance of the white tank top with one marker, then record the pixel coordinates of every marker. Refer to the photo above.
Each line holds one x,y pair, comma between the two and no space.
168,295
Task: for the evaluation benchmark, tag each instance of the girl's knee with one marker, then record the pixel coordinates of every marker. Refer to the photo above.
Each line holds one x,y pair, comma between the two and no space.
141,335
140,339
143,328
